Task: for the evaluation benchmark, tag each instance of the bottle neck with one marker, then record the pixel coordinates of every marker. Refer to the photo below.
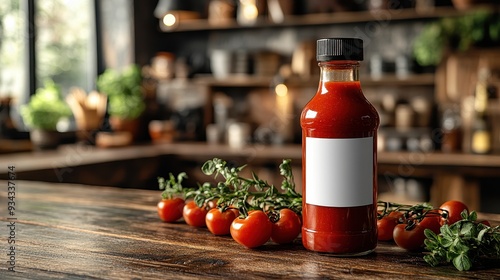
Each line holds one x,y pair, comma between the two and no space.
339,71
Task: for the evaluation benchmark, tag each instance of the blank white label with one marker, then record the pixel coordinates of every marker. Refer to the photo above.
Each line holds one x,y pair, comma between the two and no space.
339,172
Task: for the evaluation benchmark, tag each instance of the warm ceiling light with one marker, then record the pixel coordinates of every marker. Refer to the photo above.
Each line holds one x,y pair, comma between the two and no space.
169,20
173,12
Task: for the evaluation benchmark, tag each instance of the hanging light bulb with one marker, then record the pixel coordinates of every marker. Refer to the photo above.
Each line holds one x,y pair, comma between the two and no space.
172,12
247,12
169,20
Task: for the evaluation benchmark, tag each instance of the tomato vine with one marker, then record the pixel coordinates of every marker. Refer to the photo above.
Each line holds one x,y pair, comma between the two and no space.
234,190
172,186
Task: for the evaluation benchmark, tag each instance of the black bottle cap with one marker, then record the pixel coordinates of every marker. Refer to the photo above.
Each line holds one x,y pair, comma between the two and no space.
339,49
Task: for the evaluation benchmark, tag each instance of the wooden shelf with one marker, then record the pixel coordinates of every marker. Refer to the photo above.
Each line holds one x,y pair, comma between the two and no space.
393,80
234,81
38,160
259,81
13,146
433,159
382,16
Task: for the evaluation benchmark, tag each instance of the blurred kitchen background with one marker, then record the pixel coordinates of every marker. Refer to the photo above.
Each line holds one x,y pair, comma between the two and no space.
119,92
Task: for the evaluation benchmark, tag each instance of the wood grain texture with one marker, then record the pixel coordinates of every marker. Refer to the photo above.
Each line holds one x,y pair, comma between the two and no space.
85,232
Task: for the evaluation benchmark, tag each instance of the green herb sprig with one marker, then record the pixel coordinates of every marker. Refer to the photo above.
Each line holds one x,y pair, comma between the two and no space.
234,190
463,243
247,193
173,186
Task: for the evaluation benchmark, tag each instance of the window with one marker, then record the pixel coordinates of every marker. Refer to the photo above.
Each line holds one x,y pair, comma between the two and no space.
56,41
65,44
13,54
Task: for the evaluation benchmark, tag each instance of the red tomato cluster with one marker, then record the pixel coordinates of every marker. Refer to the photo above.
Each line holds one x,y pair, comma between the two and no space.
252,231
407,231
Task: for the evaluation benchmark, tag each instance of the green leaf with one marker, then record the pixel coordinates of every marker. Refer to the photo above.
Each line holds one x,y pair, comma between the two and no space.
431,260
460,247
464,214
181,176
199,200
462,262
430,234
445,230
172,186
161,183
450,256
467,229
431,245
472,216
447,241
208,168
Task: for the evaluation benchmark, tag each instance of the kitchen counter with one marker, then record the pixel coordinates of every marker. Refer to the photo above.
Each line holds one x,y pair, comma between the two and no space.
407,162
455,176
90,232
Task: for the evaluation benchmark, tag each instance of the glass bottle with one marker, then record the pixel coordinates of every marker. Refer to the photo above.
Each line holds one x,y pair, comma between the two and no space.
339,156
451,129
481,128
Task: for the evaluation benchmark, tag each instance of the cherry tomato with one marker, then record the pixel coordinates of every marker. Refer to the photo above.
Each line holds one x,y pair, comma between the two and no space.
385,227
252,231
287,228
219,222
398,215
454,209
194,215
410,239
432,222
170,210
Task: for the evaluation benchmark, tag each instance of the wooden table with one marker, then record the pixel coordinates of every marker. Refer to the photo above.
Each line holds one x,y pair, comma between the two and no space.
86,232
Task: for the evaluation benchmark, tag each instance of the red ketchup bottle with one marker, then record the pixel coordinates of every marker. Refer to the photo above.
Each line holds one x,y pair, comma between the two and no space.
339,156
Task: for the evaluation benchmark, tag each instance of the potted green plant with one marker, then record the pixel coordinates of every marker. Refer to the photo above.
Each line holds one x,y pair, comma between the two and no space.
456,34
126,100
42,113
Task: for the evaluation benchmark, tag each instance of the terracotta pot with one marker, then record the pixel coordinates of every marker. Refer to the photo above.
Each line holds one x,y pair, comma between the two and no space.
45,139
126,125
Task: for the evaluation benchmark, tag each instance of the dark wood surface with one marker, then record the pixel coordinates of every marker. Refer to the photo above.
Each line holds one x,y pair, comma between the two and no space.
69,231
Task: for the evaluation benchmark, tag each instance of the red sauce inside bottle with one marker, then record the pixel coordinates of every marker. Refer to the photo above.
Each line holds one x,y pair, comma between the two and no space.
340,110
